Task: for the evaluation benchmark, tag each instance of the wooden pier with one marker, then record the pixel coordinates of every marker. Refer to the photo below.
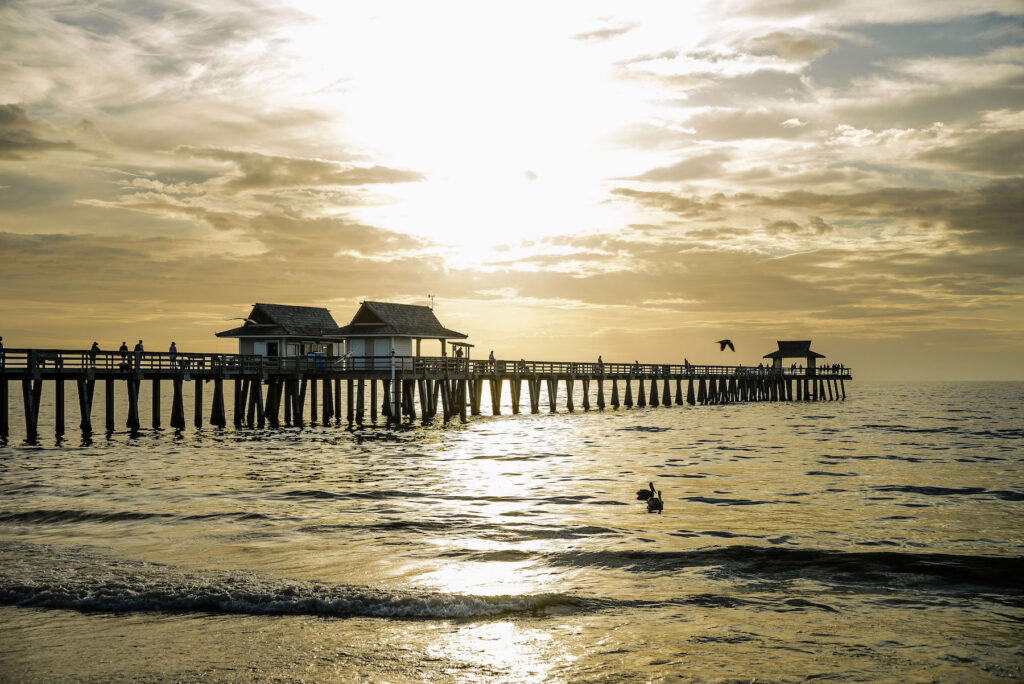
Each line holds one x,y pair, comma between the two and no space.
271,392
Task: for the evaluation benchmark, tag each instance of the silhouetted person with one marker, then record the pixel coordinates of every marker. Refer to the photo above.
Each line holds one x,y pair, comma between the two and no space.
124,354
173,352
722,344
93,351
138,354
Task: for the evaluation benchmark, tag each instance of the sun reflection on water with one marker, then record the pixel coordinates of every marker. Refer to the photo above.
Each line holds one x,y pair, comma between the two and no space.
507,649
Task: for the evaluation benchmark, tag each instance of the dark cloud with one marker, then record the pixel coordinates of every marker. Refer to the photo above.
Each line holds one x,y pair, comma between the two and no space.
963,104
999,153
259,171
815,226
23,138
703,166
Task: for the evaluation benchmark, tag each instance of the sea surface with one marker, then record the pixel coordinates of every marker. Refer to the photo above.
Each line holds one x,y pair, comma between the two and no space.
876,538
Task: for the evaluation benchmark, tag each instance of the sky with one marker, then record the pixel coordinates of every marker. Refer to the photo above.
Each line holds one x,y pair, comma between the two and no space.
568,179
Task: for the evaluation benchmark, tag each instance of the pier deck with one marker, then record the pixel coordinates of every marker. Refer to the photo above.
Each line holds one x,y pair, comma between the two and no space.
266,386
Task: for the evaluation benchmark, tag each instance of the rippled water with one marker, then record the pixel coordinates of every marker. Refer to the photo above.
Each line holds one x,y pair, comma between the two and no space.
876,538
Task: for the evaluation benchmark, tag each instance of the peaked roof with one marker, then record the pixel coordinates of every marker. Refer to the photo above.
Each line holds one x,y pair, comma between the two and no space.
268,320
375,319
794,349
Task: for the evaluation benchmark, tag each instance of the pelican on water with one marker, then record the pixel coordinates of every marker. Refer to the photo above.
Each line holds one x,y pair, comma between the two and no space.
654,504
645,494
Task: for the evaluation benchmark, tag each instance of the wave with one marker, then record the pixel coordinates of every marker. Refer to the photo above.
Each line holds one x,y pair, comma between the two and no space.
1006,495
995,573
48,577
62,516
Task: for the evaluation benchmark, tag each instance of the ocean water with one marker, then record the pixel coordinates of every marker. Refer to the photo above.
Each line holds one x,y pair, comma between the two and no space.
877,538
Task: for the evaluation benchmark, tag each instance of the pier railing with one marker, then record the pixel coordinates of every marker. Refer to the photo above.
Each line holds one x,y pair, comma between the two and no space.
264,386
75,361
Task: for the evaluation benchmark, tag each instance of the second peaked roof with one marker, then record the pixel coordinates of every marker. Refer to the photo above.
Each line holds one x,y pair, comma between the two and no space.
375,319
794,349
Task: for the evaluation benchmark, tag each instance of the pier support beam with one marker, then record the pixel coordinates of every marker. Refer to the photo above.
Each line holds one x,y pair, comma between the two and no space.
641,394
569,383
585,381
348,400
133,405
628,402
217,417
615,393
108,405
516,389
31,392
85,391
495,384
197,418
5,425
600,394
533,387
361,400
653,401
58,405
690,399
666,393
552,393
328,408
155,418
337,400
313,402
177,405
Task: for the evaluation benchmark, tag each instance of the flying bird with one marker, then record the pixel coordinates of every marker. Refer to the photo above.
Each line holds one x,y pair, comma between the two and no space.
722,344
654,504
645,494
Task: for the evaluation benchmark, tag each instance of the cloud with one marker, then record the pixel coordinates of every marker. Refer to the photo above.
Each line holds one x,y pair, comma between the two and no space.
791,47
815,225
605,33
260,171
738,124
999,153
23,138
669,202
702,166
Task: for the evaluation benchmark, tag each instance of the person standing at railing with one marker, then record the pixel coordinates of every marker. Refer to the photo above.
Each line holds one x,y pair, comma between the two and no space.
124,354
173,353
93,351
138,355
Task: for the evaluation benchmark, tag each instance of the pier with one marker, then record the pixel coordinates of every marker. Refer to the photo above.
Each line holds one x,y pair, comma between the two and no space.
268,392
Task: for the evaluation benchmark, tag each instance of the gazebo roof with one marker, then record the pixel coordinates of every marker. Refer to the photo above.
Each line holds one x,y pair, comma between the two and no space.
273,320
377,319
794,349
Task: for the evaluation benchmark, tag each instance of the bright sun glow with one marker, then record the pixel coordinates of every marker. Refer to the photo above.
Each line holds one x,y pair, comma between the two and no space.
514,140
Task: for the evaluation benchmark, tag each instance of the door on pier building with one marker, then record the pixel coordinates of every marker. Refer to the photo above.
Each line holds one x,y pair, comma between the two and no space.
358,349
382,352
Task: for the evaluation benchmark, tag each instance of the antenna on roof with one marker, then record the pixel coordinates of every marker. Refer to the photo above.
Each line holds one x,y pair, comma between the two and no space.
431,301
